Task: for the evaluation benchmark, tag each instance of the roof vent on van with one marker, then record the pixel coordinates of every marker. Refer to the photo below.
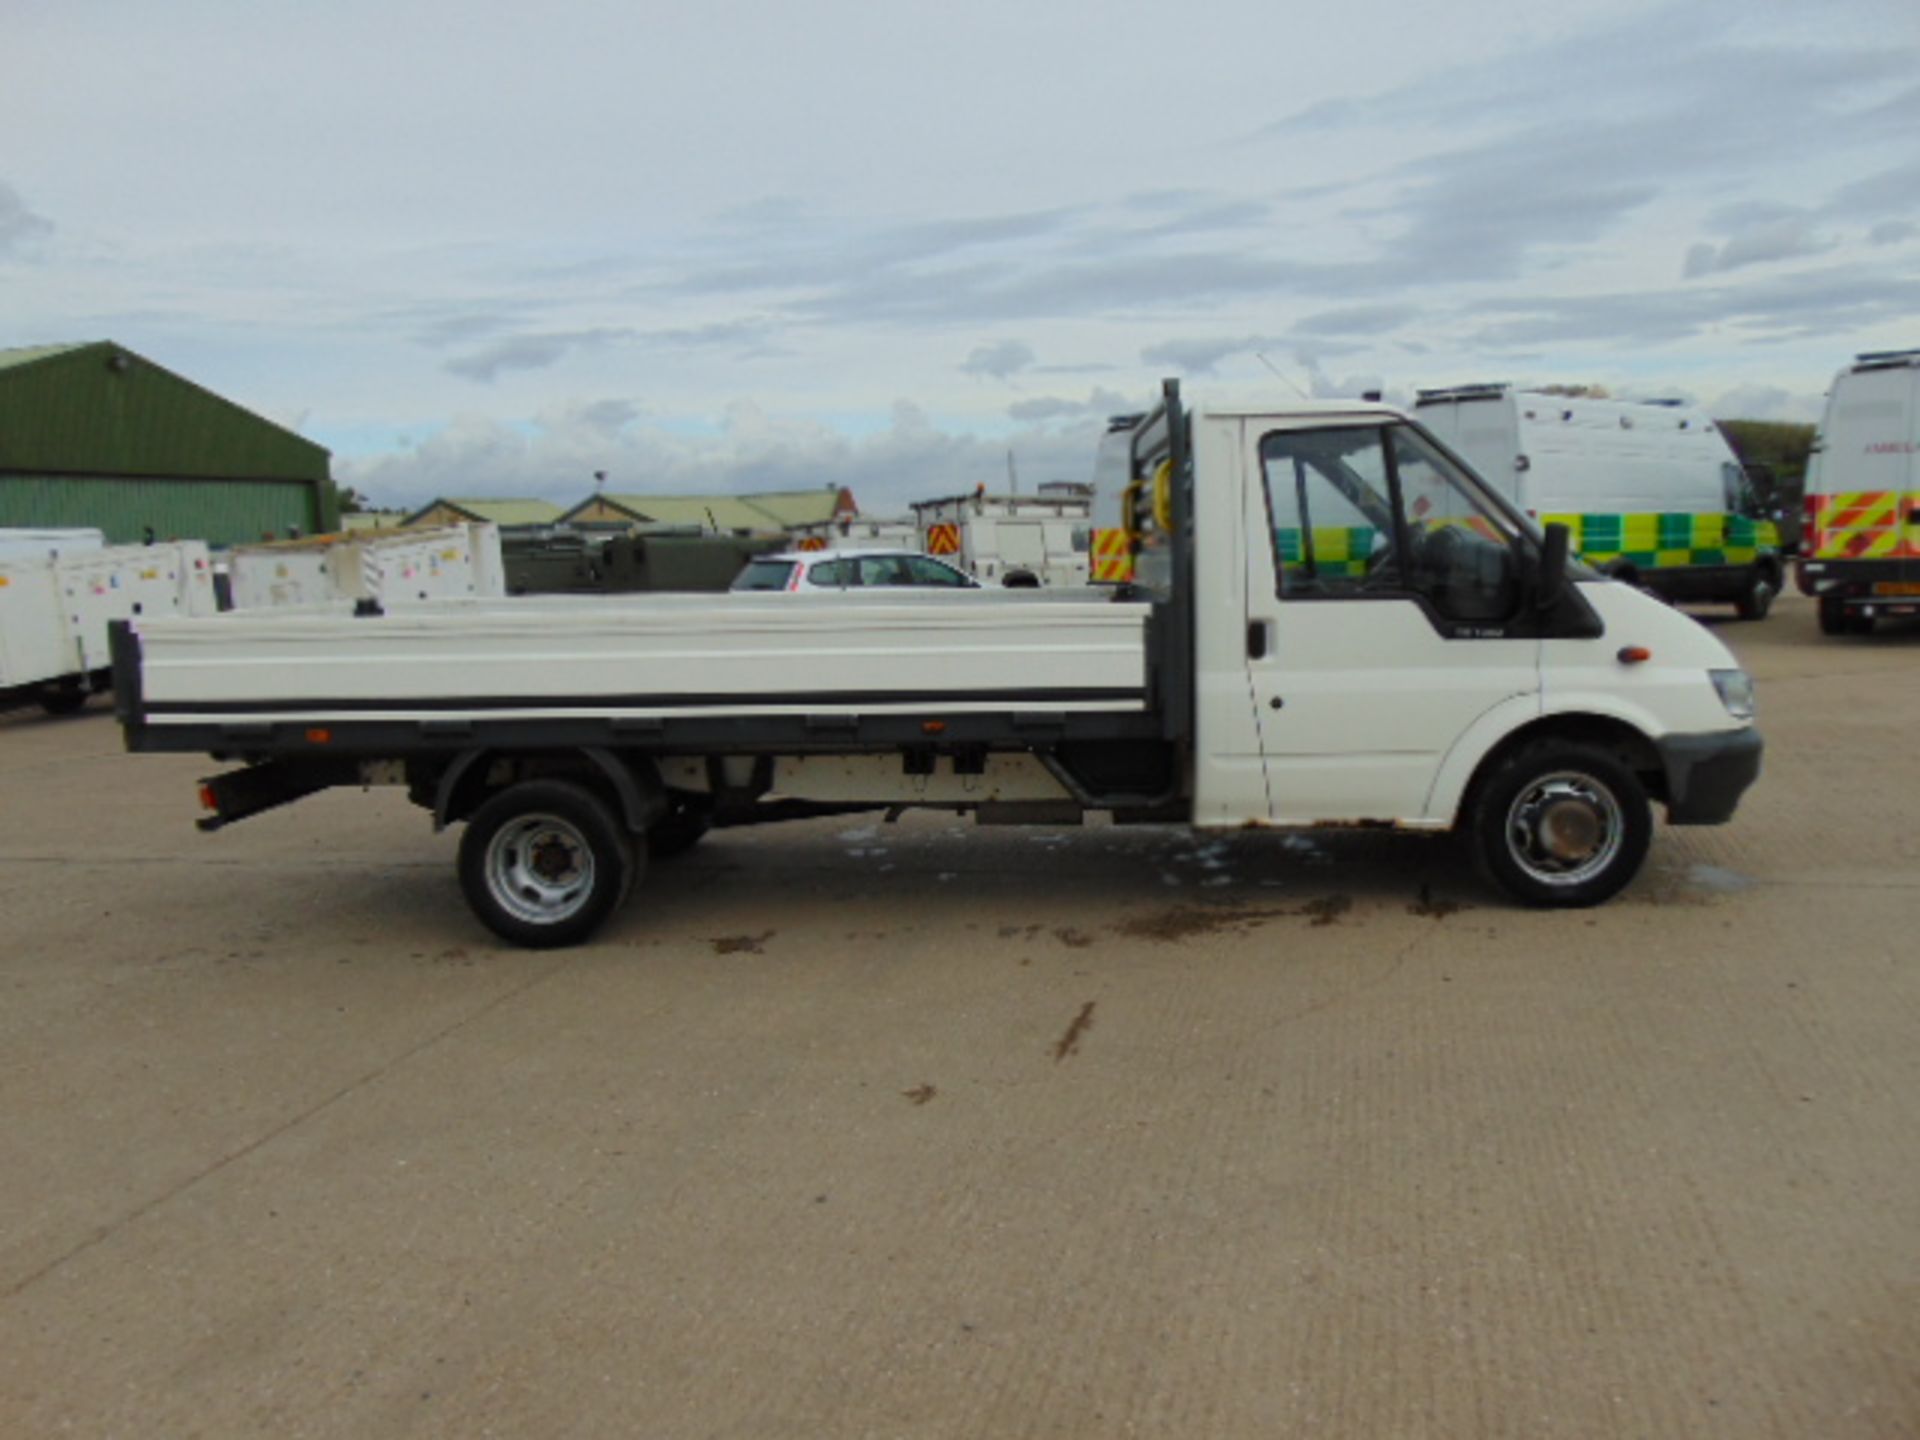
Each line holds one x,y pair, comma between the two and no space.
1482,391
1886,359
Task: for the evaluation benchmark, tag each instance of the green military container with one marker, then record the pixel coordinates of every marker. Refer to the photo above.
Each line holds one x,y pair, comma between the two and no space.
93,435
585,562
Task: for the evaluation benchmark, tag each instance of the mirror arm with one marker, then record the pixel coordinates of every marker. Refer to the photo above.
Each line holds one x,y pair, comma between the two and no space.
1550,585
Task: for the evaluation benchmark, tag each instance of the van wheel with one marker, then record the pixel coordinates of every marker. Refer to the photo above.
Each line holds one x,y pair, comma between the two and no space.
1833,616
1560,824
1758,597
63,699
544,863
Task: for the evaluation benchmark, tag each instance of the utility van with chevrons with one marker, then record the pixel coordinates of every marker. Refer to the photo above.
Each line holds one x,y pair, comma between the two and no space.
1860,547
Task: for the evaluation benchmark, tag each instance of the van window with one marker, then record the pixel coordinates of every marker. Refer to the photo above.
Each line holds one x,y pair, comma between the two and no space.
1366,510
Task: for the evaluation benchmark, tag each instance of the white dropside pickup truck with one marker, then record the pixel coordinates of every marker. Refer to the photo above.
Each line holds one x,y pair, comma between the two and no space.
1331,620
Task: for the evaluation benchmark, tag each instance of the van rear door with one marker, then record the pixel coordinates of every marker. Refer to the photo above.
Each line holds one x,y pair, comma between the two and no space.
1864,503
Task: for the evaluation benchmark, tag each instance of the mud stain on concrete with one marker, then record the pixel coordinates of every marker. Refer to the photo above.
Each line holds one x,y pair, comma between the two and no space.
742,944
1073,939
920,1094
1327,909
1069,1043
1434,907
1186,922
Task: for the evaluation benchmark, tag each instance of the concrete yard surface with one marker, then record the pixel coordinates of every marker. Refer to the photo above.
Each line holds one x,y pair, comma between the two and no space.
848,1129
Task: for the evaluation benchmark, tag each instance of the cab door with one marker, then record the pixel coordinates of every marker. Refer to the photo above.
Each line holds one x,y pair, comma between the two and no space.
1384,600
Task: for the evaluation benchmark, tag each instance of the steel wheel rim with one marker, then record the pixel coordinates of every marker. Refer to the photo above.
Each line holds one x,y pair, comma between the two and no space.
1565,828
540,868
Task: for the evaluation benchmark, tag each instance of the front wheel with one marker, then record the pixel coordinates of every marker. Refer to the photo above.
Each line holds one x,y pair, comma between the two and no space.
544,863
1560,824
1757,599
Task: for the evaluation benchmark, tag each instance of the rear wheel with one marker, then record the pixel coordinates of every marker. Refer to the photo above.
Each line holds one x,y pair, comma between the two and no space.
1757,599
544,863
1560,824
1833,615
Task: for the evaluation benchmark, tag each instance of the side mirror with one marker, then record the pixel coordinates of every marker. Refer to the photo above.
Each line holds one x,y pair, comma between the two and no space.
1551,586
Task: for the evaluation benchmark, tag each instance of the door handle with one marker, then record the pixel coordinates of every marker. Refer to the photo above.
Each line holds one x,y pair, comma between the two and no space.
1256,639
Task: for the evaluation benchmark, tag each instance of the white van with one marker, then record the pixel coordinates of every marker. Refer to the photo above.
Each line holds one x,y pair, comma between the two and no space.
1651,490
1860,549
1012,540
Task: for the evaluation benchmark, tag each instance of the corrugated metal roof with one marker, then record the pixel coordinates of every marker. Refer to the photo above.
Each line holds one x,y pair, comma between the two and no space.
500,512
767,510
99,409
797,507
719,512
29,354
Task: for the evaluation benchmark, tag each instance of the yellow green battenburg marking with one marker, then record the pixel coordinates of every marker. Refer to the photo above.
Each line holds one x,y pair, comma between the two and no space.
1669,541
1337,550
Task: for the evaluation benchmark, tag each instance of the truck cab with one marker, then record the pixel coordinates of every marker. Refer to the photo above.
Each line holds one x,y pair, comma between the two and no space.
1379,637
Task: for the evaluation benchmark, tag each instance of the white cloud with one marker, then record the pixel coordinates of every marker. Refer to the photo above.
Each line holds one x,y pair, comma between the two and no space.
1000,360
477,227
750,448
19,226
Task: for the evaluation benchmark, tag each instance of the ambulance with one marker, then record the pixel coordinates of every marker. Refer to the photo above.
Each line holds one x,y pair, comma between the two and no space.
1651,490
1860,547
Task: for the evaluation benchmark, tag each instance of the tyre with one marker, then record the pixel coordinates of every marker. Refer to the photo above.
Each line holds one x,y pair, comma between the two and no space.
1560,824
685,823
1859,624
544,863
1833,615
1757,599
63,699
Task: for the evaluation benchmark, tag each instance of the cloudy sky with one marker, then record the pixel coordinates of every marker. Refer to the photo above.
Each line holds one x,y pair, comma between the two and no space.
721,246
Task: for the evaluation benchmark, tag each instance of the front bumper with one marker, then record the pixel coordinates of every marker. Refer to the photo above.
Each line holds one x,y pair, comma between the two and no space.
1707,774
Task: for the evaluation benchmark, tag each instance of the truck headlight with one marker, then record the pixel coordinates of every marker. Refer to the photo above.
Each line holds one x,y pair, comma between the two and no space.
1736,692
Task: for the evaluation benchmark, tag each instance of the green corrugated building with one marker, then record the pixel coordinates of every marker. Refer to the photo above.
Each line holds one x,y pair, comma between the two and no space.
95,435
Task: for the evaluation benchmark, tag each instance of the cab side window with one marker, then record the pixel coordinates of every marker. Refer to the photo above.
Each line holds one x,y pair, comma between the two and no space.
1366,510
1328,499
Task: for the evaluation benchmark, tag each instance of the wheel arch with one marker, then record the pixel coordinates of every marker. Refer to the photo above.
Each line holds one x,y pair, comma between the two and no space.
631,782
1511,727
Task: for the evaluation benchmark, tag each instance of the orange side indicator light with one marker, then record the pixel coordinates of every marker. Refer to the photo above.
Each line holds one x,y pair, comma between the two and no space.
1634,654
319,737
933,727
207,802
